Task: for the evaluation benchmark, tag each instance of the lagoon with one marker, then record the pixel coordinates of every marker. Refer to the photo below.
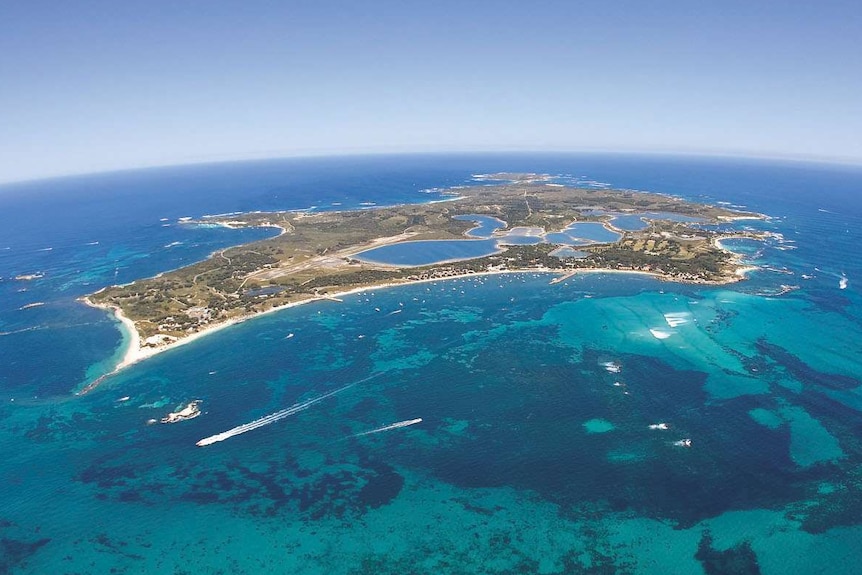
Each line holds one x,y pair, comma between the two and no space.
520,240
486,225
428,252
582,234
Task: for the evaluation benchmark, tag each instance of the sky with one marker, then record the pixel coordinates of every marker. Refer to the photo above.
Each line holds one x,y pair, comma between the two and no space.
90,86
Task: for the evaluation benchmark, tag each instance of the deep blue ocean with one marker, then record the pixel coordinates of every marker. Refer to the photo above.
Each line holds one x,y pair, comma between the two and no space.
535,452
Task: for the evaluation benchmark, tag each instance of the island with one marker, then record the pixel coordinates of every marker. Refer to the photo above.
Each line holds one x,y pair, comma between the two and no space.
525,222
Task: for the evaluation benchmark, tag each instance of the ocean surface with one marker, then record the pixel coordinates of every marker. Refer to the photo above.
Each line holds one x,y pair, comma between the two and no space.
541,447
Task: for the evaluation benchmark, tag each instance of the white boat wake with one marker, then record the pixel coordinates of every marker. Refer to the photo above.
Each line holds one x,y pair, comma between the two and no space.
390,426
611,366
272,417
678,318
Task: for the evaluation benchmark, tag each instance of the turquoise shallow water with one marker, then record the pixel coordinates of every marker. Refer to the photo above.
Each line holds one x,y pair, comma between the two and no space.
534,453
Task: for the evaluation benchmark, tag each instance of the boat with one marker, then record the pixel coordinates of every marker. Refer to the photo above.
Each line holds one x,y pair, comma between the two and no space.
190,411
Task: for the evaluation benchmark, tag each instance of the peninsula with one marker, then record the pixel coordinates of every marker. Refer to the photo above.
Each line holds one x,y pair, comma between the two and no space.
319,255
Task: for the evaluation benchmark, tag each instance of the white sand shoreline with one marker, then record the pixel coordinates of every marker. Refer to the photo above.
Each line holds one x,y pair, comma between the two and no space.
135,353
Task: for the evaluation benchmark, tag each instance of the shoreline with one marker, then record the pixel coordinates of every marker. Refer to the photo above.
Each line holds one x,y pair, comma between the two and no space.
135,353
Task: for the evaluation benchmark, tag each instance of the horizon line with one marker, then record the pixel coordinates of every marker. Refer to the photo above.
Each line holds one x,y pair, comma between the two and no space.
215,159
